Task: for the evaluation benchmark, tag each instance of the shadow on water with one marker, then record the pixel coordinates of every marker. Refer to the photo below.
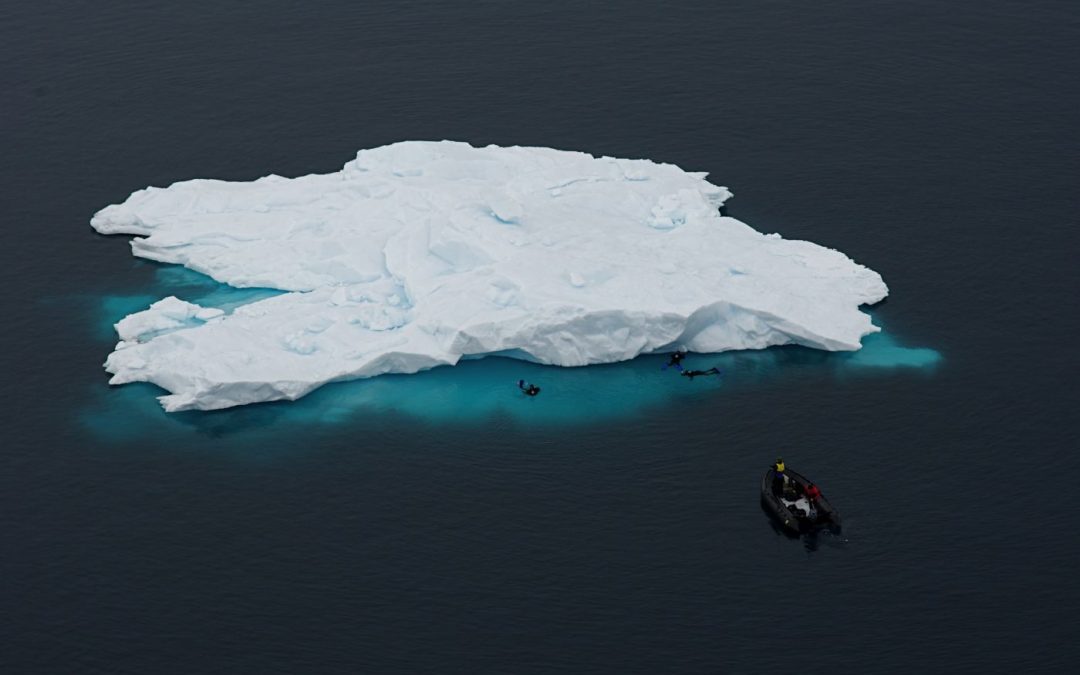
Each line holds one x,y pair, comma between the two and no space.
471,393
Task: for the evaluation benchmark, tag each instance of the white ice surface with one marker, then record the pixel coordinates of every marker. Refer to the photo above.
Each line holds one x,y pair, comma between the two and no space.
418,254
164,315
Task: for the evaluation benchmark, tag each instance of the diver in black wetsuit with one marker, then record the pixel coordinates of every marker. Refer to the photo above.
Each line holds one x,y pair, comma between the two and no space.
676,360
529,389
694,373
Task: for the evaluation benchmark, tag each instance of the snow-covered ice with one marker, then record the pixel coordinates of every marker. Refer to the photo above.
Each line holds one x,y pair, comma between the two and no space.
164,315
420,254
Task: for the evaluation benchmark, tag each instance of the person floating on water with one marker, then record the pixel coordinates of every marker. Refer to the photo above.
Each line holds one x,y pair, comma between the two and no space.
694,373
529,389
676,360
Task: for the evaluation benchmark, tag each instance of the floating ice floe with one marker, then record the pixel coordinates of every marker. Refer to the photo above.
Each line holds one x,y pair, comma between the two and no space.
420,254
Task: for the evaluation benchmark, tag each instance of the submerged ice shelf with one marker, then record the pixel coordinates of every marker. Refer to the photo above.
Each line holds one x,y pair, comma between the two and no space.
475,392
421,254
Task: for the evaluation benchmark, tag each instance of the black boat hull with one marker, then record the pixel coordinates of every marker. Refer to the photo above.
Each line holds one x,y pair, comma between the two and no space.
791,521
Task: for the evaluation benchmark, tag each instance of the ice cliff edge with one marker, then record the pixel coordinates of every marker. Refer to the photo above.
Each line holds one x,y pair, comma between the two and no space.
418,254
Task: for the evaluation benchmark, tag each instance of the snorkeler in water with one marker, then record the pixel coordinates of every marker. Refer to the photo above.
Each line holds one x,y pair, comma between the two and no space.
529,389
676,360
694,373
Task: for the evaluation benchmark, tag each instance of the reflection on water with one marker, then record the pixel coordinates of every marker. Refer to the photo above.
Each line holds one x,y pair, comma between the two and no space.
472,392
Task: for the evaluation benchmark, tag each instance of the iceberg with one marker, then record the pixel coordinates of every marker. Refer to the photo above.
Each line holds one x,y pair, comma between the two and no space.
421,254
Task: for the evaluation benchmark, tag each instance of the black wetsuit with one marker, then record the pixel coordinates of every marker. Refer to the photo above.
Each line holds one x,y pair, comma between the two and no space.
676,359
694,373
529,389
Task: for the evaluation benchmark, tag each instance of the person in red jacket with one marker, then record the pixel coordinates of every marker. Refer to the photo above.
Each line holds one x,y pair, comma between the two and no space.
812,494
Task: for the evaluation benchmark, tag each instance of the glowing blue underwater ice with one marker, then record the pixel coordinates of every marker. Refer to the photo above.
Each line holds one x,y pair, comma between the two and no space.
473,392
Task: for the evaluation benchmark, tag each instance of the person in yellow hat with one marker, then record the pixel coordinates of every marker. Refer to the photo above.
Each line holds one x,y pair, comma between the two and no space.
780,479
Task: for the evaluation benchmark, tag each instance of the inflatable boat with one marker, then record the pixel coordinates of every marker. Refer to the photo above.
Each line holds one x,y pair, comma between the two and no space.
791,509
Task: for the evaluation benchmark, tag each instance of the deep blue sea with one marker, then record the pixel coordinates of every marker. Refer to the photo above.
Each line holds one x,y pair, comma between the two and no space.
440,524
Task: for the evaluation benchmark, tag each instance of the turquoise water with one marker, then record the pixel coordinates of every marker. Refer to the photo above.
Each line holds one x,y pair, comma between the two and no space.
475,391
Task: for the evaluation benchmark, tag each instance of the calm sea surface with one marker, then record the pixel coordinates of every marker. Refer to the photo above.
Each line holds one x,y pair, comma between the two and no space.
935,142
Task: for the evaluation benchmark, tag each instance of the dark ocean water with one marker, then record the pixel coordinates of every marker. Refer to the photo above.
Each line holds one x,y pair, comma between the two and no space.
934,142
